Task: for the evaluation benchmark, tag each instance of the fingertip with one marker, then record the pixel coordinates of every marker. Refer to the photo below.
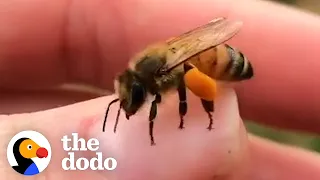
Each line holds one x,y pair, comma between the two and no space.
214,152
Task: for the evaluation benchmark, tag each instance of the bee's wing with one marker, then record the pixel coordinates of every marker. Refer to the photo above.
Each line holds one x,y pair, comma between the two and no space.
200,39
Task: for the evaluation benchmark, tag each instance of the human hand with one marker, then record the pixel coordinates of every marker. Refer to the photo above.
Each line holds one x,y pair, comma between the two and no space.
54,42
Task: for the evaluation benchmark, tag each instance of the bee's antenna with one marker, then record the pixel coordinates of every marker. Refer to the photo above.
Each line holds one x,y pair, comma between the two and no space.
117,120
105,118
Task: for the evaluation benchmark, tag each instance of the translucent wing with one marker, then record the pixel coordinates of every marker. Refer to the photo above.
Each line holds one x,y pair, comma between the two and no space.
200,39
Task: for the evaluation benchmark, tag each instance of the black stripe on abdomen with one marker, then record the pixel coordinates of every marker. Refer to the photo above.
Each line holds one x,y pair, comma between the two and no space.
238,65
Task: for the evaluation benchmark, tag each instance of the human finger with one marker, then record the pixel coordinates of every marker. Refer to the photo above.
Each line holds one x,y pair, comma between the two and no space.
24,101
214,153
223,153
32,43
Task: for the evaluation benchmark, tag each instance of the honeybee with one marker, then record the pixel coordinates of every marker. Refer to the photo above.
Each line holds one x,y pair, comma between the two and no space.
193,60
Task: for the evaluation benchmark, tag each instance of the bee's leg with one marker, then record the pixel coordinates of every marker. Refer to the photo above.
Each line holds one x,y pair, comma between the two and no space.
209,108
183,107
183,102
152,115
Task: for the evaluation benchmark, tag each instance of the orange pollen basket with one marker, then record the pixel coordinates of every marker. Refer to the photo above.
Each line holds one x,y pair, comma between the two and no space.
200,84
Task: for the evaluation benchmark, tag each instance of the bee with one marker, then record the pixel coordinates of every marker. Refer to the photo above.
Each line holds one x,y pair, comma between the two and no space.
194,60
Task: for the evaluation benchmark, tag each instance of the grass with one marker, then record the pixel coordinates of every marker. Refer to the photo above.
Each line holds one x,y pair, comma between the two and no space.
285,137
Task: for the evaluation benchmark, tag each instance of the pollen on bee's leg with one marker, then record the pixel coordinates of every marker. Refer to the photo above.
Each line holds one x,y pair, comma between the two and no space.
200,84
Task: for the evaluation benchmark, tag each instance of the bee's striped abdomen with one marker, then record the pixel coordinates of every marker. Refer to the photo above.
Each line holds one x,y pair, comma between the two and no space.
238,68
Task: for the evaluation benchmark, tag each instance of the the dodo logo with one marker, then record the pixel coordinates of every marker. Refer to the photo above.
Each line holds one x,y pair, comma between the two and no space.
29,153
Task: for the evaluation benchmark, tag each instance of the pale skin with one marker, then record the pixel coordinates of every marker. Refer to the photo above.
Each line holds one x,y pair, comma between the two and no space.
39,48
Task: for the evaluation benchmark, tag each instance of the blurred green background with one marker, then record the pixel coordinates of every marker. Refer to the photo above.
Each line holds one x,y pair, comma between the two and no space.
310,5
292,138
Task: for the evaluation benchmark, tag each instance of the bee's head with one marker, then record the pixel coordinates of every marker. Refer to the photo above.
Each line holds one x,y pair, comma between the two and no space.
131,92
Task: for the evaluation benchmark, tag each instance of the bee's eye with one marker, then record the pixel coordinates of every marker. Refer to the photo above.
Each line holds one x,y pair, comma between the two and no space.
137,93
